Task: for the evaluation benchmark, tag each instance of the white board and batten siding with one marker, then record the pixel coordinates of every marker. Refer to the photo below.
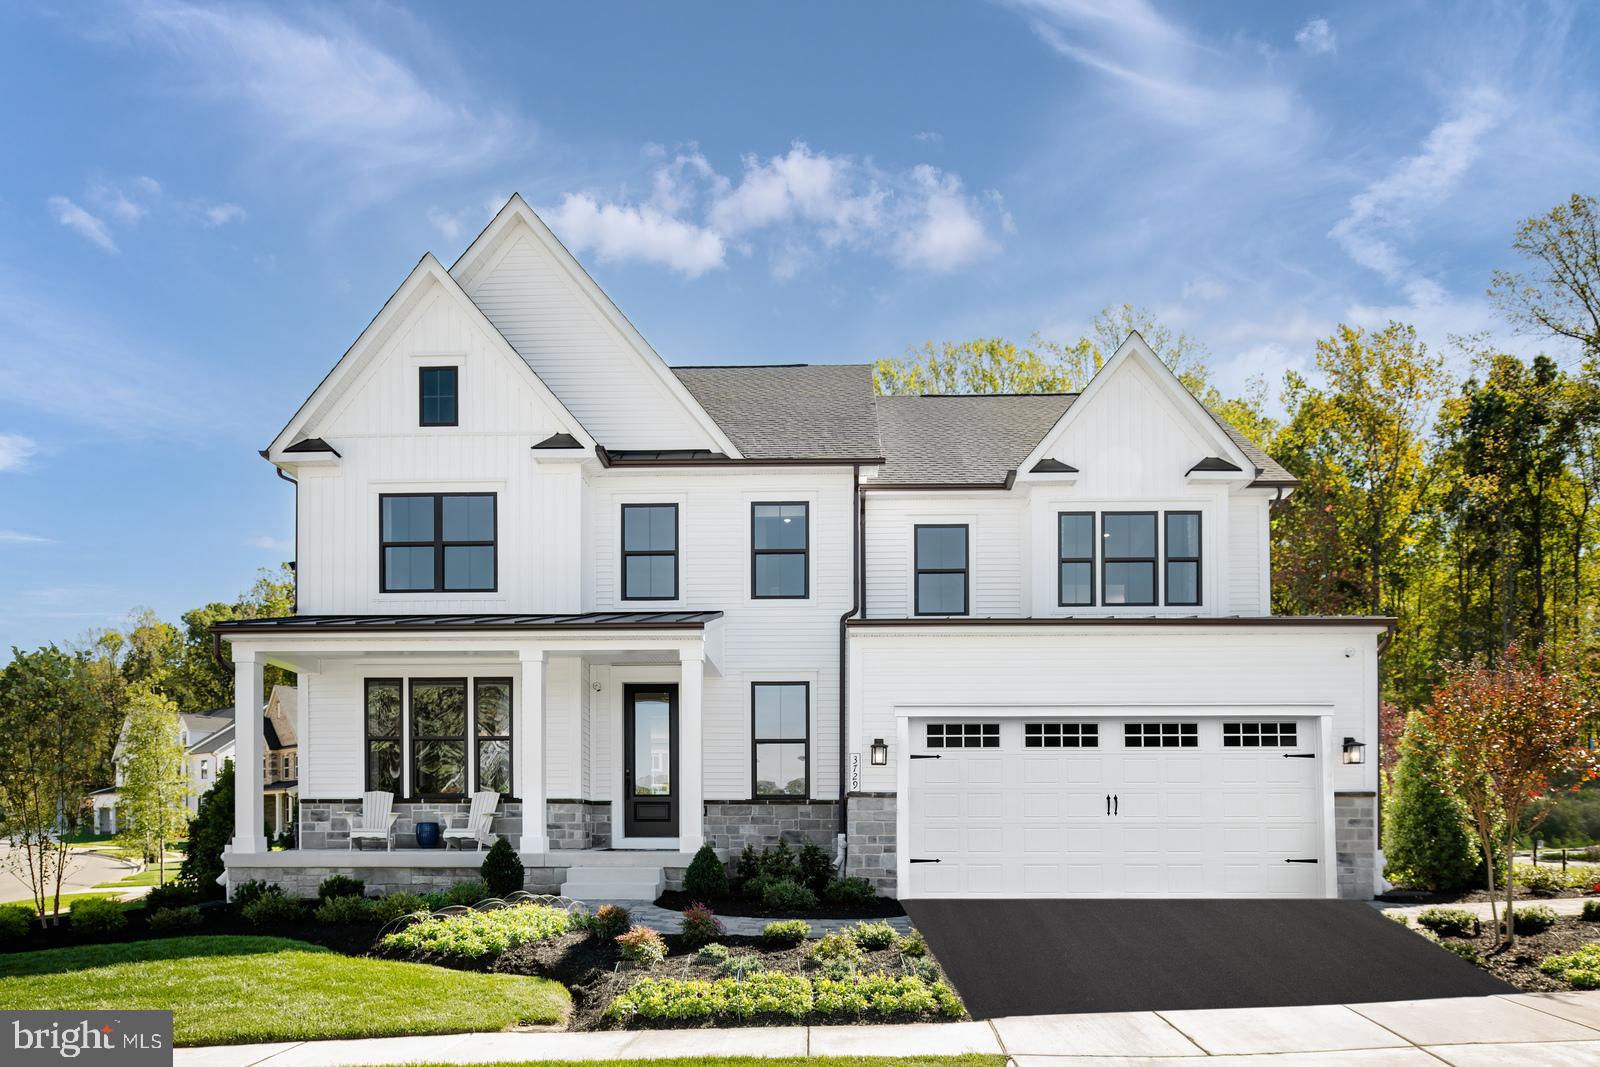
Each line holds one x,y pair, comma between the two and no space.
995,536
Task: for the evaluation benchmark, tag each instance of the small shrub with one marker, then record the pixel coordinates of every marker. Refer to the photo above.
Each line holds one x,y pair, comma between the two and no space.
881,996
706,878
171,895
1591,911
97,916
476,934
1465,949
788,894
468,893
912,945
758,869
340,885
831,947
873,936
1398,917
1580,969
389,908
741,966
170,920
850,890
501,870
1449,922
1540,881
271,908
1533,919
712,953
610,920
435,899
15,922
814,867
699,926
341,911
786,932
642,945
247,893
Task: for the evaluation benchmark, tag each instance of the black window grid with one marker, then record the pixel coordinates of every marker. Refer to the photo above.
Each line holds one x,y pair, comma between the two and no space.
963,735
1166,542
918,570
1260,735
1161,735
1063,558
1106,558
1060,735
438,543
627,553
804,553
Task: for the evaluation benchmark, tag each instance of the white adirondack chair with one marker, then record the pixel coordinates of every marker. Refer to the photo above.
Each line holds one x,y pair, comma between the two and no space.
480,822
377,819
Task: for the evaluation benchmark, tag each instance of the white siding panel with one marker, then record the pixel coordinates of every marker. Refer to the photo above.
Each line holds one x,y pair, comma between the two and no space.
1246,547
561,334
563,726
334,719
996,533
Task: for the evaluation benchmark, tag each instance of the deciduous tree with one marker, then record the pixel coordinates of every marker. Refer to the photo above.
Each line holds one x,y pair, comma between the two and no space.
154,781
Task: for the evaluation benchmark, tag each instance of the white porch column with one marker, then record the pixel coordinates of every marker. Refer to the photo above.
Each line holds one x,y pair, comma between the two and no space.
691,812
248,811
530,746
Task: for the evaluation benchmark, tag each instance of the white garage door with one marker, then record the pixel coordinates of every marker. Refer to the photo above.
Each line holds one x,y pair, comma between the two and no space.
1135,807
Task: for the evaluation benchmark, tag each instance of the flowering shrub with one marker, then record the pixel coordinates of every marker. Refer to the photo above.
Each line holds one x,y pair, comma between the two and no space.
699,926
642,945
775,994
475,934
1580,969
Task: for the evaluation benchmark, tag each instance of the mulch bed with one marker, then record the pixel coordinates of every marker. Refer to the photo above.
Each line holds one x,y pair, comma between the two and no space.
1520,964
1474,896
592,970
876,908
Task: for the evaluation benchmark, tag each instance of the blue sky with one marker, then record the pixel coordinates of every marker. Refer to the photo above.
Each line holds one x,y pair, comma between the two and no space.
201,207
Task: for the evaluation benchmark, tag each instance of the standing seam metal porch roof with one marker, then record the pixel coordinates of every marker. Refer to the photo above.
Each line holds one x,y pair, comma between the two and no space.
625,620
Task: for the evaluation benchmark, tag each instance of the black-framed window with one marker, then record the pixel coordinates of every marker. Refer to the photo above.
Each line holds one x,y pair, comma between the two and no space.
780,738
491,716
780,551
941,569
1060,735
649,551
1260,735
437,542
1182,578
1128,554
383,715
1161,735
437,399
963,735
1075,563
438,737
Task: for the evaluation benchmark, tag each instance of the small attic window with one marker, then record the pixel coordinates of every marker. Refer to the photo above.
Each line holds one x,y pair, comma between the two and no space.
438,392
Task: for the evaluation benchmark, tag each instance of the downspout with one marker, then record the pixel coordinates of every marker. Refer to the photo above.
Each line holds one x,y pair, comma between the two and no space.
858,569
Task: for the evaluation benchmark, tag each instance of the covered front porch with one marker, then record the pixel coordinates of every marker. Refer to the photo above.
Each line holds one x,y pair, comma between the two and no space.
589,728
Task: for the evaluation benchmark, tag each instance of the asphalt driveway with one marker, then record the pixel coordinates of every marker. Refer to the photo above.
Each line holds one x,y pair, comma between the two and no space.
1046,957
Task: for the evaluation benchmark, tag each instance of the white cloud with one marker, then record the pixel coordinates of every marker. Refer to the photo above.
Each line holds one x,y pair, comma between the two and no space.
1381,214
1315,37
929,136
829,192
13,537
323,98
15,449
126,206
623,233
82,223
269,544
214,215
943,232
448,225
1205,288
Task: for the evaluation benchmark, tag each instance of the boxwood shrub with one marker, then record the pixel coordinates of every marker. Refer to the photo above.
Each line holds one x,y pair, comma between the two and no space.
475,934
340,885
1533,919
394,905
342,910
774,994
168,920
873,936
15,922
1591,911
271,907
1449,922
852,890
786,931
787,893
97,916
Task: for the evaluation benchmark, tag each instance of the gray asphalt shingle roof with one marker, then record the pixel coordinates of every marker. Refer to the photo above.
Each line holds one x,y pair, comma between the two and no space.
962,440
808,411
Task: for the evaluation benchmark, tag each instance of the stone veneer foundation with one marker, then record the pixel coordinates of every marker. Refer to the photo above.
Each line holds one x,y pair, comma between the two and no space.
1355,840
730,825
303,881
326,823
578,823
871,843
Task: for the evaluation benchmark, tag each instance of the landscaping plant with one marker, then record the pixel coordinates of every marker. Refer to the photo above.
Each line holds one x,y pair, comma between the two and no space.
1427,838
468,893
343,910
1506,733
476,934
786,932
831,947
1539,881
340,885
247,893
699,926
740,966
642,945
774,994
787,894
97,915
852,890
1580,969
501,870
391,907
170,895
168,920
1591,911
714,952
1449,922
1534,918
913,946
272,907
209,833
706,878
873,936
815,868
609,920
15,922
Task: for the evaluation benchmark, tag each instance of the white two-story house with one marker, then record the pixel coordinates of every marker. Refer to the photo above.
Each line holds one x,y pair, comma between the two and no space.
974,646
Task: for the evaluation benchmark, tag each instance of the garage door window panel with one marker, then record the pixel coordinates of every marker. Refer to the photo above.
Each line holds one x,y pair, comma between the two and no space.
1129,539
963,735
1060,735
1161,735
1259,735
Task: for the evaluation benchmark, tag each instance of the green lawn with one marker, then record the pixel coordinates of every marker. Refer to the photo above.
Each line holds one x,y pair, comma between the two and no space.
224,990
148,876
66,900
971,1060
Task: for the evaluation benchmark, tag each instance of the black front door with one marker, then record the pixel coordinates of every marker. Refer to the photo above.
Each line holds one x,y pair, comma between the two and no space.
650,761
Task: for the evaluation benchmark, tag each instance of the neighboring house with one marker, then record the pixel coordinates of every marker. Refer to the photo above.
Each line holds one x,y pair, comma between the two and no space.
632,599
208,741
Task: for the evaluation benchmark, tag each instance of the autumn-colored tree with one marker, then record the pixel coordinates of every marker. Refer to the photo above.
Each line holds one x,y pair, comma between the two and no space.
1507,736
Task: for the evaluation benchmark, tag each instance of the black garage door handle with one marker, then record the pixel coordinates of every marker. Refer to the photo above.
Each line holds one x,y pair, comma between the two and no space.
915,860
1299,861
923,755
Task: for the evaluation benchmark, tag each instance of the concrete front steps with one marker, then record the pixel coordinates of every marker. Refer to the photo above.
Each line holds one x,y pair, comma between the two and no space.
628,875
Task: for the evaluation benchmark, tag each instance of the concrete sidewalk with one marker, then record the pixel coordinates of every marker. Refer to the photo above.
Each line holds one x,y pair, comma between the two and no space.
1525,1029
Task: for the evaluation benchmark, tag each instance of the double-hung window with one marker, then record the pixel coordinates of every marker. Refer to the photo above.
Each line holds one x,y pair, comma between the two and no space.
437,542
436,389
780,544
439,737
779,737
941,570
1183,557
383,716
649,551
1129,556
1075,542
491,715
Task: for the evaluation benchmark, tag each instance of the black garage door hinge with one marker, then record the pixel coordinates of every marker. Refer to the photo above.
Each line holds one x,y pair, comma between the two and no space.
924,861
1299,755
924,755
1299,861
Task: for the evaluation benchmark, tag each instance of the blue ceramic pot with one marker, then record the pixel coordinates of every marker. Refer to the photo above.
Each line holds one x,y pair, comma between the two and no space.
427,835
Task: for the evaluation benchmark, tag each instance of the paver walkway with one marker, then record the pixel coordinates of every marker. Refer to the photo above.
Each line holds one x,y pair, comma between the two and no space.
1524,1028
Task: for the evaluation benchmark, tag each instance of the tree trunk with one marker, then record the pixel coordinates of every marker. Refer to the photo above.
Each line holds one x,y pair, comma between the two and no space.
1511,882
